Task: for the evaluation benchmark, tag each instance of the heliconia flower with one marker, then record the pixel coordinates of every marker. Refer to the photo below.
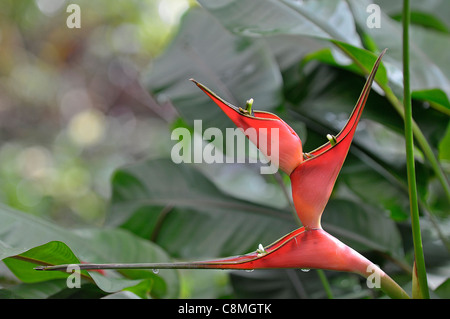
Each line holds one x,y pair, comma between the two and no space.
303,248
274,138
313,176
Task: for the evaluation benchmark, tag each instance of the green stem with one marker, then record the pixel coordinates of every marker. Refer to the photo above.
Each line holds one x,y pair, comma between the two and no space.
417,238
421,140
325,283
418,135
389,286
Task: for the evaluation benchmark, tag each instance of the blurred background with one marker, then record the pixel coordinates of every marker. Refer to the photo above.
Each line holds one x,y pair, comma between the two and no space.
71,109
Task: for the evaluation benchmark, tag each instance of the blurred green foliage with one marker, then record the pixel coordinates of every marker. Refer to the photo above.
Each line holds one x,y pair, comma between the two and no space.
71,109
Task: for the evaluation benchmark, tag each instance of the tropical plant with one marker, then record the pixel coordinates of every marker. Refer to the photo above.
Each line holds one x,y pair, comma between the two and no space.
305,62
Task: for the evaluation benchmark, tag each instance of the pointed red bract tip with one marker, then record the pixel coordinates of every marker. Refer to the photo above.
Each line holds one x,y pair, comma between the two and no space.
273,136
313,180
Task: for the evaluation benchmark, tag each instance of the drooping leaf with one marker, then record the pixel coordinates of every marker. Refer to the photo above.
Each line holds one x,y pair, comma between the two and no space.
54,252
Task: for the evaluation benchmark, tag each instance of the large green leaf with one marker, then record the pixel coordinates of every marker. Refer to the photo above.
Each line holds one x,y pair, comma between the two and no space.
336,21
429,67
184,212
321,19
237,68
36,241
363,227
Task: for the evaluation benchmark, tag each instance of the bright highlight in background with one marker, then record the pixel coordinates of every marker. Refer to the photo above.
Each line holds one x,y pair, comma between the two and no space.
171,10
87,127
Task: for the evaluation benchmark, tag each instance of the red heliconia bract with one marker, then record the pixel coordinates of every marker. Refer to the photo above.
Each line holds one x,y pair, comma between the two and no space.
284,149
300,249
313,180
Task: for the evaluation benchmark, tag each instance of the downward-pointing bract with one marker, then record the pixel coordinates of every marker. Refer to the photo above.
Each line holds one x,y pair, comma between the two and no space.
300,249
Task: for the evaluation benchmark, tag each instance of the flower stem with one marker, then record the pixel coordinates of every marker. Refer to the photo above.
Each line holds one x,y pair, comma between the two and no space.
389,286
325,283
398,106
414,207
